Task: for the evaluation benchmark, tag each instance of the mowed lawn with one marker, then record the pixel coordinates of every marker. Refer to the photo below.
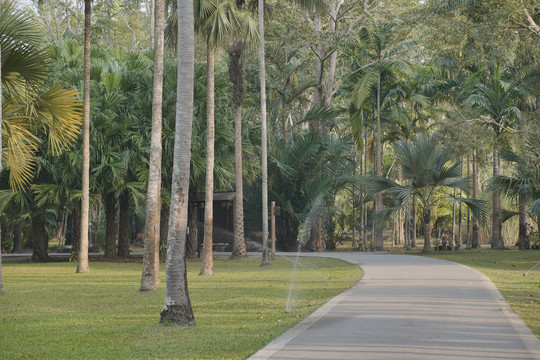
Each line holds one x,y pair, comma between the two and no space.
516,273
49,312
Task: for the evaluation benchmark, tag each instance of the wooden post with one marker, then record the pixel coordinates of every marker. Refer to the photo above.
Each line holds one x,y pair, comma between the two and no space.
273,227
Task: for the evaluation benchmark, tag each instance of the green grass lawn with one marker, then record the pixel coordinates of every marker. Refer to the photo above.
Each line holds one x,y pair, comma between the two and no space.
506,268
49,312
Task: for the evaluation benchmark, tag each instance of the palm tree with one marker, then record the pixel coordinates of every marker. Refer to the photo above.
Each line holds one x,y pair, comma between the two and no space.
246,33
428,174
493,101
214,20
381,55
177,309
264,143
523,185
82,265
150,274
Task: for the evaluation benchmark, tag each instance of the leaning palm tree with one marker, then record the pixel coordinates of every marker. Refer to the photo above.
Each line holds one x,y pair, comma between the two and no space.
427,173
177,309
494,102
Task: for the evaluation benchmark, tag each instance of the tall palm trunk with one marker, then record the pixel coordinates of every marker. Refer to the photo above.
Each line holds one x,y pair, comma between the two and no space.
177,308
453,238
496,223
475,237
82,265
264,146
150,271
235,74
378,225
207,267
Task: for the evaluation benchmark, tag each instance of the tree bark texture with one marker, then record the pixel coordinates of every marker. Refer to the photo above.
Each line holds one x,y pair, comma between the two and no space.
191,245
163,228
150,272
235,75
177,308
414,219
123,225
111,225
427,228
378,225
264,145
475,234
82,265
40,240
496,220
207,266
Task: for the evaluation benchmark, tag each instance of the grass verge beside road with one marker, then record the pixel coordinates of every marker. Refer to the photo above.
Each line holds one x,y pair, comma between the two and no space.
49,312
507,269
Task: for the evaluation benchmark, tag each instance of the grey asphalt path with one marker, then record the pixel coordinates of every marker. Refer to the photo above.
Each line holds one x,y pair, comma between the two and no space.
409,307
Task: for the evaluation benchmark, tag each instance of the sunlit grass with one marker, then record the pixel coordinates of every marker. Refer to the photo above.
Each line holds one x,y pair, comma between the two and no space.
49,312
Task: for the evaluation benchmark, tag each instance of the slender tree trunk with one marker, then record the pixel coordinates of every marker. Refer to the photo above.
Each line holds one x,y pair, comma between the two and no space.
361,245
408,226
414,218
378,228
150,270
76,232
18,240
111,225
207,267
523,237
237,79
163,228
453,238
39,239
264,145
123,225
496,222
460,219
475,241
177,309
82,266
427,229
193,233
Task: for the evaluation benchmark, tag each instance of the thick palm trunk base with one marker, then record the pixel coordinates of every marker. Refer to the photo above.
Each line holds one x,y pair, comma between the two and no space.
180,315
427,231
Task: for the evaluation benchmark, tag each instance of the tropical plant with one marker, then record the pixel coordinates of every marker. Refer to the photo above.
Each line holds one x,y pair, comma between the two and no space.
523,185
427,173
494,101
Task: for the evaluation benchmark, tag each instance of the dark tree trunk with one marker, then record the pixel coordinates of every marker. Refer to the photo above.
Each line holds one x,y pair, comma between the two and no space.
111,225
427,229
164,228
39,239
523,236
76,231
414,216
124,234
191,243
475,241
17,240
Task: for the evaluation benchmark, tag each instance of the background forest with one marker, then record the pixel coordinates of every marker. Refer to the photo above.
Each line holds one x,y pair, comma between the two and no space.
387,121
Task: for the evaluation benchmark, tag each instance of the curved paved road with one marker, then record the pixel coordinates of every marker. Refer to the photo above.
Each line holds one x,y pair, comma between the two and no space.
409,307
